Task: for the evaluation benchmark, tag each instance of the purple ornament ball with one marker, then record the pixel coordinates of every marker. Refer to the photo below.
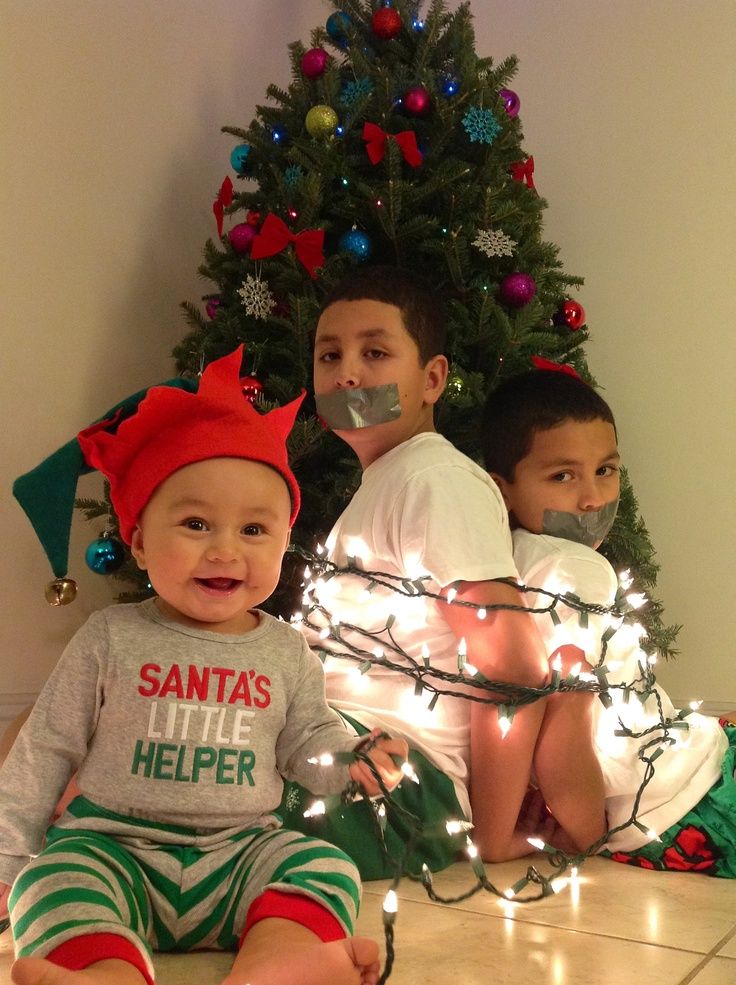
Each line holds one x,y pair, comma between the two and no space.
517,289
212,305
314,62
241,237
416,100
511,102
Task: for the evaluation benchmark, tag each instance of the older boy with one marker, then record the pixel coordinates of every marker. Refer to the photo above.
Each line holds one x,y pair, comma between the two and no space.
549,440
424,510
182,714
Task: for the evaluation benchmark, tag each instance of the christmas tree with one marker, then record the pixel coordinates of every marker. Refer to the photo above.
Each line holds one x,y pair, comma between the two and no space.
395,143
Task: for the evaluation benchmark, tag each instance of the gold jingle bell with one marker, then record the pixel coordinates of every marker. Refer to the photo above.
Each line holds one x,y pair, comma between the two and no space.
61,591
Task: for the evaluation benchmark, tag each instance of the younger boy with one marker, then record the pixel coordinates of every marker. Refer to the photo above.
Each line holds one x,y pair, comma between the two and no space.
182,714
549,441
424,510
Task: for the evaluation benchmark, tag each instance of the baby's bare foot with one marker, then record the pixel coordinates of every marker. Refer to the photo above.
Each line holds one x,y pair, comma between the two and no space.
39,971
353,961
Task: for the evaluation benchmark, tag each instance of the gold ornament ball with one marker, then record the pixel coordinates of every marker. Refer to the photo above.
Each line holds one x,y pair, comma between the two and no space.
61,591
321,121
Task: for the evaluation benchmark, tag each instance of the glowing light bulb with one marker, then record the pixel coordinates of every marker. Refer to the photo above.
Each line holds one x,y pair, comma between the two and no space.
316,809
471,669
505,725
694,705
457,827
625,580
390,902
536,843
308,573
408,770
482,613
451,595
636,599
425,654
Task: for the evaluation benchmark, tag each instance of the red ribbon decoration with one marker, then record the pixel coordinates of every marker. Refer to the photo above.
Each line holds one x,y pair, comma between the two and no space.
376,140
275,236
541,363
524,171
223,200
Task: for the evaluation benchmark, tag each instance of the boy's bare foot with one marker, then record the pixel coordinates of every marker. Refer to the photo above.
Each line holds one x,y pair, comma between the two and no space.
39,971
353,961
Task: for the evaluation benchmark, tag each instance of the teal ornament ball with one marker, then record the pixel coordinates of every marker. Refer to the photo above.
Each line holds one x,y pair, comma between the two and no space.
321,121
356,243
337,27
239,157
104,555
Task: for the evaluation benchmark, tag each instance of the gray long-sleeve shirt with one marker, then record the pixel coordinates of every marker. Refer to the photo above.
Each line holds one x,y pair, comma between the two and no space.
171,724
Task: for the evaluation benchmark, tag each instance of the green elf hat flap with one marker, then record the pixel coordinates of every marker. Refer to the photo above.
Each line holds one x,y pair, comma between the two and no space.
47,493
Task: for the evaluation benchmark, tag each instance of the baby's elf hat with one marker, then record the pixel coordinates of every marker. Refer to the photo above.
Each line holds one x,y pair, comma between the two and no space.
144,439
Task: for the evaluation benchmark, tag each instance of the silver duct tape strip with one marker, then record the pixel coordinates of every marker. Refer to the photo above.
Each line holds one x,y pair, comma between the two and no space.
588,528
346,410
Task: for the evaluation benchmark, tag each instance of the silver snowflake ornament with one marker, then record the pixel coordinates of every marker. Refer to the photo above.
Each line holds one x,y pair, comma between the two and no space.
494,243
257,299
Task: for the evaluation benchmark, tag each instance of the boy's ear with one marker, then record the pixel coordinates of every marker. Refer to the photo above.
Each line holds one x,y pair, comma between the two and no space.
503,485
136,548
435,378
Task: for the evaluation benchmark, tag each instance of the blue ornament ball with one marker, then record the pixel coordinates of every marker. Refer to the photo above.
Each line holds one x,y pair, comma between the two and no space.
355,243
104,555
239,157
337,27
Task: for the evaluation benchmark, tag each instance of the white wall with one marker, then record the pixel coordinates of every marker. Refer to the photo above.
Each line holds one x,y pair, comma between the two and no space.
112,156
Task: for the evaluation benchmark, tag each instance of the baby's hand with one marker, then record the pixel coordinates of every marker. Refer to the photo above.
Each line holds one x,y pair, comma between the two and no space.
4,893
387,756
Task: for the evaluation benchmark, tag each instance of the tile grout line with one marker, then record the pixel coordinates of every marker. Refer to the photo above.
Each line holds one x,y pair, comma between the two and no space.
577,930
707,958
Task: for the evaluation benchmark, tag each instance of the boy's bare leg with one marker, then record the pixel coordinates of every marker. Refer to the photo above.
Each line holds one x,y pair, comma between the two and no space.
39,971
281,952
568,771
499,772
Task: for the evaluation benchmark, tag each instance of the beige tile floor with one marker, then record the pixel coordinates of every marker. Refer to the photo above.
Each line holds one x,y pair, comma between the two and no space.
617,926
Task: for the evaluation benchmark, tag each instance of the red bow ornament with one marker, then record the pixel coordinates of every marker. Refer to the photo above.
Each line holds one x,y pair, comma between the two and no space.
275,236
524,171
541,363
376,140
223,200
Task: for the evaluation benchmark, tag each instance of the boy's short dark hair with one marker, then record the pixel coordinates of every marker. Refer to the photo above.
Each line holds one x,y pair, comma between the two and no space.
534,401
421,310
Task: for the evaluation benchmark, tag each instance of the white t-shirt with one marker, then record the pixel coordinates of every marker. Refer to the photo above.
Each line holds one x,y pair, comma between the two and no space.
422,509
683,773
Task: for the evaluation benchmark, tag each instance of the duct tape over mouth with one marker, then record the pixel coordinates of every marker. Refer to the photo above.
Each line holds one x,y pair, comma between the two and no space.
585,528
347,410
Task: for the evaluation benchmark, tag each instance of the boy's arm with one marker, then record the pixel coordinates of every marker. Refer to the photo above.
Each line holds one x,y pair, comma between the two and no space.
505,646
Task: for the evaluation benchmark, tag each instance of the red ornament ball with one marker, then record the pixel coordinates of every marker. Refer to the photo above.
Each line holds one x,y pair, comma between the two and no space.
416,100
386,23
241,237
572,314
252,388
518,289
314,62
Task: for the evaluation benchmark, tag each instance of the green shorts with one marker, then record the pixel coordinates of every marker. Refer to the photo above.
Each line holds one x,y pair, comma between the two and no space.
353,828
704,840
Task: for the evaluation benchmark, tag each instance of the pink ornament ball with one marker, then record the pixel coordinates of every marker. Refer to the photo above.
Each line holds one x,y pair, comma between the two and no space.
416,100
314,62
517,289
511,102
241,237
